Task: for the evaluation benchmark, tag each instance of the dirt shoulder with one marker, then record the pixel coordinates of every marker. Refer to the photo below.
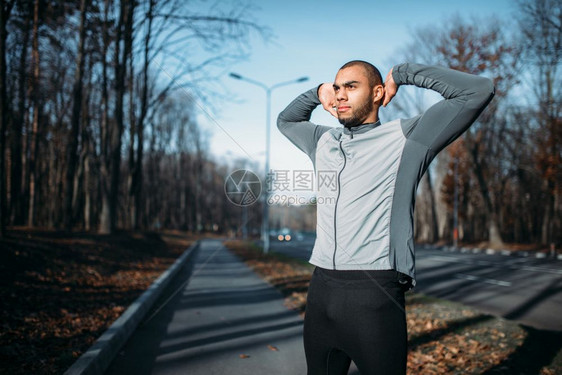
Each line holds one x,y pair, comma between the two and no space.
60,291
443,337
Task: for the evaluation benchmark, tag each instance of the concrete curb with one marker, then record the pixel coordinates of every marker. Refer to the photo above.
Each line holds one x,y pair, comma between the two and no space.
99,356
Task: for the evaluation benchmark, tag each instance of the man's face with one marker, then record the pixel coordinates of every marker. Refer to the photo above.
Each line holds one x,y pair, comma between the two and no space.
354,97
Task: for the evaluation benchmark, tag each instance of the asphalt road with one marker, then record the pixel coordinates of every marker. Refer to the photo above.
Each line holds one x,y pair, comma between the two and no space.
217,317
524,289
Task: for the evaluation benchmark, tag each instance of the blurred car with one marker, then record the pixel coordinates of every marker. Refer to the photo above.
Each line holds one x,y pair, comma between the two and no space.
283,234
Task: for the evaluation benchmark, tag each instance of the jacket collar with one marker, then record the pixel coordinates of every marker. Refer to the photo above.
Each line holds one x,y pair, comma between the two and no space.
359,129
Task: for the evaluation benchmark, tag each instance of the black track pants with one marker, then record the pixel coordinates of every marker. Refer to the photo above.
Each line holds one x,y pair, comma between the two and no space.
359,316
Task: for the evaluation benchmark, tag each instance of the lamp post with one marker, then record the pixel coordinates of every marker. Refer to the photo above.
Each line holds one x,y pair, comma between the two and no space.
268,90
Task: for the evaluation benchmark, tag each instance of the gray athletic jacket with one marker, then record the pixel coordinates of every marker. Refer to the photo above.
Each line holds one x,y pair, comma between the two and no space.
367,175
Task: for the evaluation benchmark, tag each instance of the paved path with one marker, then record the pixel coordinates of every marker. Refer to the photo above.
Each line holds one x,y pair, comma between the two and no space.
222,311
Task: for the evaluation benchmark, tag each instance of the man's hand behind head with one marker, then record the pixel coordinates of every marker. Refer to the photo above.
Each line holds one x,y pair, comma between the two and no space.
390,89
327,97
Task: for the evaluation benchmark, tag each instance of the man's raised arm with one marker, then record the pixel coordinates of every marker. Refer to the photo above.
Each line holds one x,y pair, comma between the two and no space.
466,96
294,123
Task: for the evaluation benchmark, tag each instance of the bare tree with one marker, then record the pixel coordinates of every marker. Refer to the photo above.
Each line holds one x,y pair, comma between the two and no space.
110,192
479,48
66,141
72,146
16,189
541,26
221,31
137,131
37,105
5,10
104,221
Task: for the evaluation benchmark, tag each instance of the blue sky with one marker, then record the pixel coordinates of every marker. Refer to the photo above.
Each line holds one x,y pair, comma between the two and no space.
314,39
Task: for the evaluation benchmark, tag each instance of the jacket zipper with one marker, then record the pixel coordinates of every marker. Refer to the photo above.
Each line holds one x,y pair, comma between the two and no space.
336,205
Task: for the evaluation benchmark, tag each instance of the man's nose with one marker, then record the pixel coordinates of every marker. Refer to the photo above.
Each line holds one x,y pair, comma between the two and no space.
341,95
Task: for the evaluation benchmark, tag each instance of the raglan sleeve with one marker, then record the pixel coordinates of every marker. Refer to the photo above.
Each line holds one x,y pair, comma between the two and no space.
465,97
294,123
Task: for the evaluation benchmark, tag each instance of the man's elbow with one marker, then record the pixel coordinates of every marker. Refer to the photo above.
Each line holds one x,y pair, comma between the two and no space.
487,88
281,122
484,91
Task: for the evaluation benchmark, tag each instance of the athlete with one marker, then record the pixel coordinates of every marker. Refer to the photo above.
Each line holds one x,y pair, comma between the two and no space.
367,175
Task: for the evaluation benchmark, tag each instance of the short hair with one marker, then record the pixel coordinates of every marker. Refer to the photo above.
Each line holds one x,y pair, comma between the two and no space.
373,74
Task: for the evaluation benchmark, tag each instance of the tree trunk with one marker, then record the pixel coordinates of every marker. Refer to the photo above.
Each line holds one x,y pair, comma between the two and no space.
137,171
124,32
434,232
89,152
494,234
79,178
87,194
75,121
5,9
132,138
36,118
16,204
104,224
546,228
198,201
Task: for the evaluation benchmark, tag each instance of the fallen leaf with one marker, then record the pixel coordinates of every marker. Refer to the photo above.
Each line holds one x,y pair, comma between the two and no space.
244,356
271,347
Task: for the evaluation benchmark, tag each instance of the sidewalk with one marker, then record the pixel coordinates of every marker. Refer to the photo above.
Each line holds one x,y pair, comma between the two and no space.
226,320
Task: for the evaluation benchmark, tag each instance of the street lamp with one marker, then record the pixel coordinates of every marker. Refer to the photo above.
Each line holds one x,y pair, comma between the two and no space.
268,90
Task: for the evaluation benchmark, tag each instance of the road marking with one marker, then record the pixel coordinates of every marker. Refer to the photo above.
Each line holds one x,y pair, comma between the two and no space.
482,279
539,269
516,260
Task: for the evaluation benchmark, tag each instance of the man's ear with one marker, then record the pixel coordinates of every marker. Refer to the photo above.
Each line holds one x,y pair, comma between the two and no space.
378,94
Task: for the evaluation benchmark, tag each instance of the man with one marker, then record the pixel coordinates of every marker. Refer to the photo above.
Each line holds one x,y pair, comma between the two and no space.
367,175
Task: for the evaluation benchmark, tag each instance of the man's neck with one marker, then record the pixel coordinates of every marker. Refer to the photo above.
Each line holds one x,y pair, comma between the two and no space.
368,121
